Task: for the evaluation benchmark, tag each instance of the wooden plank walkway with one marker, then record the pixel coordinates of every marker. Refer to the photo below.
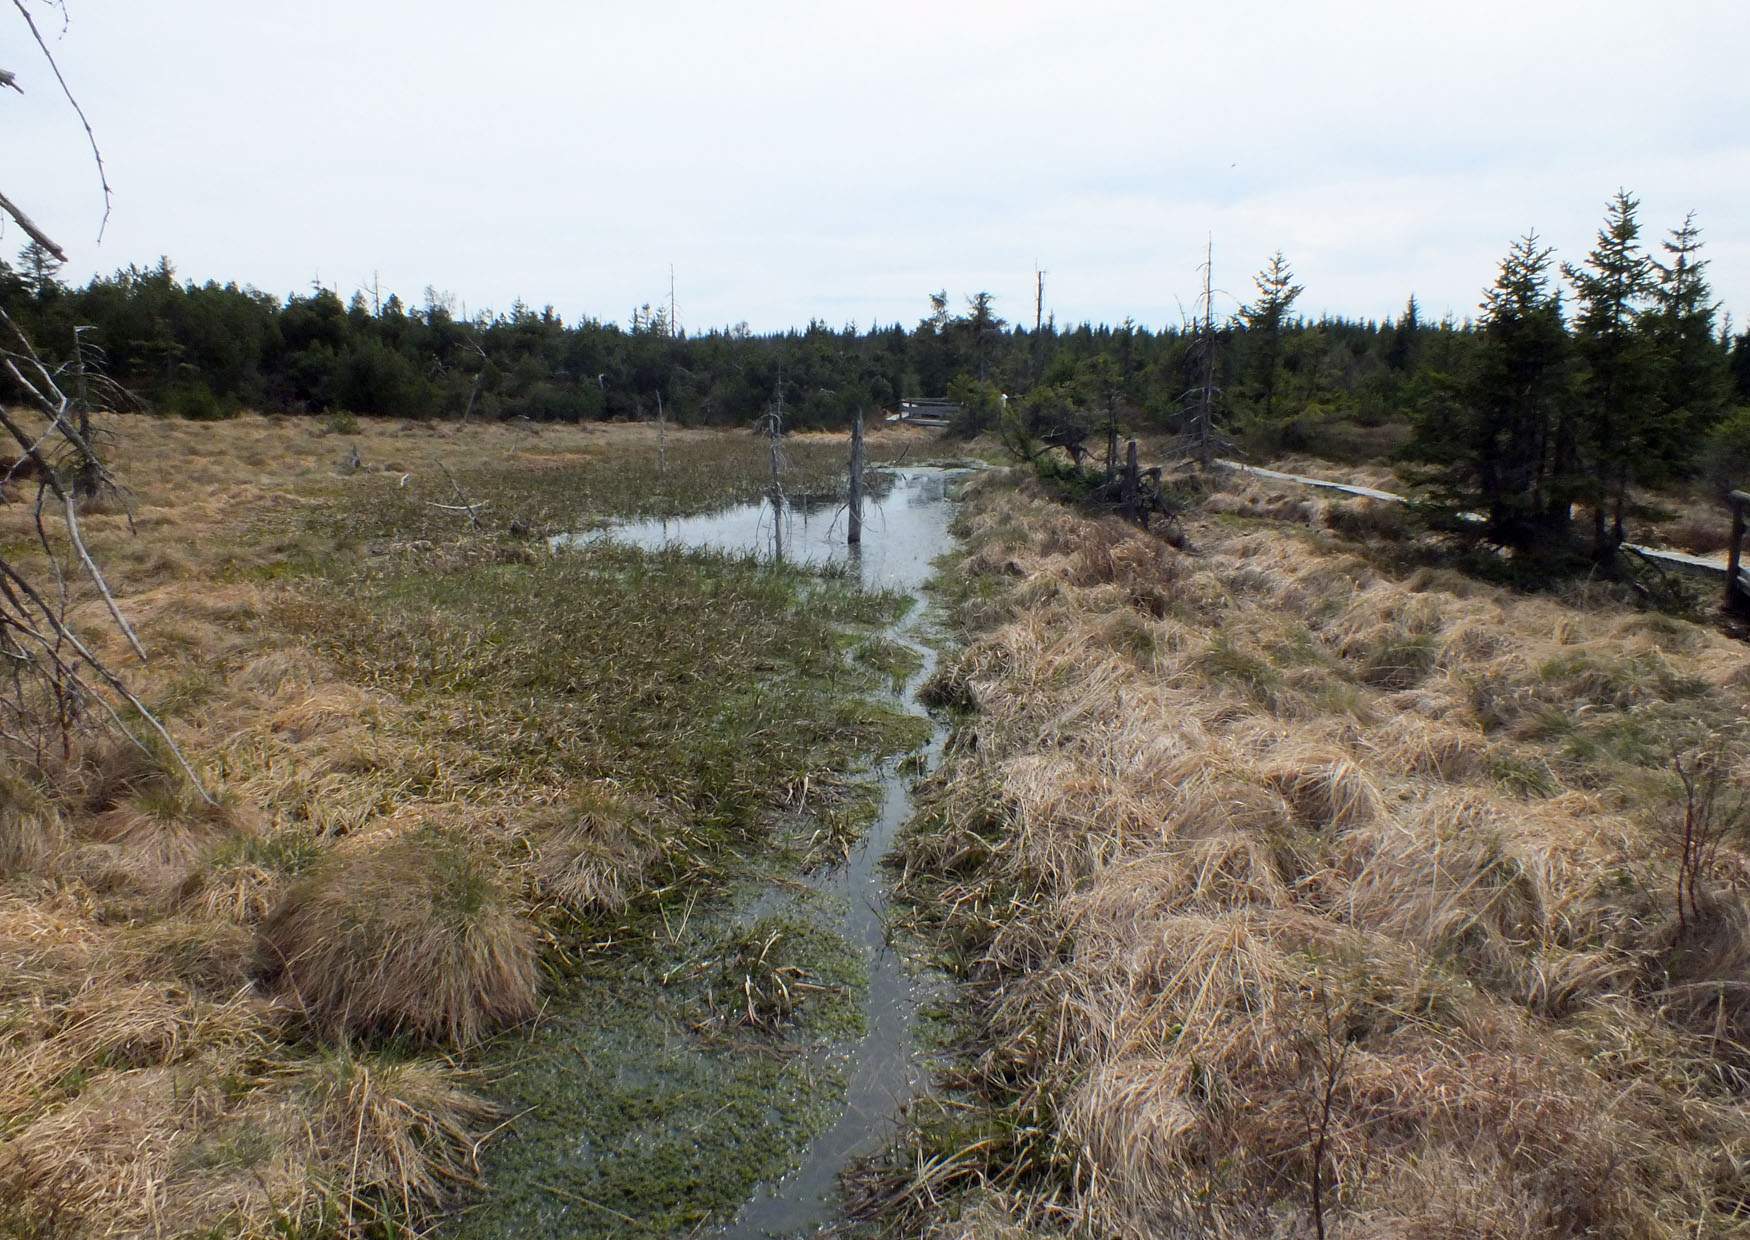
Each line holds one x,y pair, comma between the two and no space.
1700,565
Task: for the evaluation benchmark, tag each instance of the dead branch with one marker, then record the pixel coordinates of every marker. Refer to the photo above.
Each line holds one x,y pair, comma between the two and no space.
31,230
23,609
467,505
90,136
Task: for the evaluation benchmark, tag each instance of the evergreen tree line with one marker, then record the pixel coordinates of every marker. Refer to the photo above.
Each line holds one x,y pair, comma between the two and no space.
1549,399
1571,396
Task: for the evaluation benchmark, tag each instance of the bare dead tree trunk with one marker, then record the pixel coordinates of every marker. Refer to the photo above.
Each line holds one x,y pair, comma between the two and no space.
774,433
89,474
1038,321
1205,418
473,395
855,521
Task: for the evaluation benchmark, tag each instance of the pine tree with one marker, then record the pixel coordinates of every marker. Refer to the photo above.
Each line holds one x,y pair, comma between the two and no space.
1694,377
1619,384
1264,319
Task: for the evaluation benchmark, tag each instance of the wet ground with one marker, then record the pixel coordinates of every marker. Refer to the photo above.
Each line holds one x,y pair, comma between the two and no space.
639,1125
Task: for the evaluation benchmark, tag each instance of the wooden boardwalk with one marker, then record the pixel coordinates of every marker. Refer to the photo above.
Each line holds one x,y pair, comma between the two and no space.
1714,567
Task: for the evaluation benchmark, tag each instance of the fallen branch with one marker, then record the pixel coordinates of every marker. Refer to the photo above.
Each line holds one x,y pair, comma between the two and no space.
467,505
91,137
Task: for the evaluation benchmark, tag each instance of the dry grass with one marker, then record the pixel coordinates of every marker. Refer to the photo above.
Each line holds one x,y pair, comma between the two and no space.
1419,818
415,937
595,849
369,871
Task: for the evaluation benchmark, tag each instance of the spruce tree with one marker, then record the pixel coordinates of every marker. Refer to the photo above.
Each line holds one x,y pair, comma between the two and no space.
40,270
1619,385
1504,442
1694,377
1740,368
1264,319
1403,339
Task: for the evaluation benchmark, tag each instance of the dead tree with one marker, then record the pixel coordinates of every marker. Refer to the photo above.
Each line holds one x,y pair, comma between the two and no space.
54,680
54,673
1200,440
1131,492
855,520
475,347
772,423
6,204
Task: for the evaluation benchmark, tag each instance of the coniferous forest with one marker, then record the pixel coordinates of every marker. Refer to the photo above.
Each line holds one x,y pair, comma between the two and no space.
1579,375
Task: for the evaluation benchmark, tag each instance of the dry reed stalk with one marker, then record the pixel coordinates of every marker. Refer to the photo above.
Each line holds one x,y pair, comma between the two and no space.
1152,863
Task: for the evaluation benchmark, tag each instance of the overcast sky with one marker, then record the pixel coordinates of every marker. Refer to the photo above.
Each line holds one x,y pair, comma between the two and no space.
841,161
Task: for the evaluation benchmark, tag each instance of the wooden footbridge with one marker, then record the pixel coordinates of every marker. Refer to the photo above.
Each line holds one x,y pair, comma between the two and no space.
1729,570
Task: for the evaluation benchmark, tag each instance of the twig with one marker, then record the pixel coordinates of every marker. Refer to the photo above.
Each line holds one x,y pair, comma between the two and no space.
102,176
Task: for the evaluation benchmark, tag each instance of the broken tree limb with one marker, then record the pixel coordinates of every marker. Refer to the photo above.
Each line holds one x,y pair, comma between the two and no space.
467,505
31,230
90,136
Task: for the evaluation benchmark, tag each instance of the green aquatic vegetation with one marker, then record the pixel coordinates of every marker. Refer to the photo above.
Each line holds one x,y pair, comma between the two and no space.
646,1105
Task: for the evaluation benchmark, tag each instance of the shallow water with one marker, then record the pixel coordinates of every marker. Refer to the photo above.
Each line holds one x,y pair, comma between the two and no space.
904,530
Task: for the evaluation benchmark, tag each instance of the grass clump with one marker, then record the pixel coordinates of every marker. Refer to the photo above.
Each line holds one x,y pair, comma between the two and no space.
594,850
407,1134
416,938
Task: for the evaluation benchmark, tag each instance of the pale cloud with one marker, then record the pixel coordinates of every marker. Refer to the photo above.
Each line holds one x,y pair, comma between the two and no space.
834,161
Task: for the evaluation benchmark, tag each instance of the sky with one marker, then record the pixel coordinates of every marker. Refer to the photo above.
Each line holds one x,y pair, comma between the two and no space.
796,161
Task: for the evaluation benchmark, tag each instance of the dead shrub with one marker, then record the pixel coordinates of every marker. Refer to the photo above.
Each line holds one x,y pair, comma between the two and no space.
1698,535
414,937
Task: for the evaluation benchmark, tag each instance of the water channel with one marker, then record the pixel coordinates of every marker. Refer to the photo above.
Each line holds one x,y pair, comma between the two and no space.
904,529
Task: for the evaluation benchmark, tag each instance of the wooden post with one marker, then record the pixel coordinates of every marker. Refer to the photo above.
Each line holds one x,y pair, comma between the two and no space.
855,537
1737,597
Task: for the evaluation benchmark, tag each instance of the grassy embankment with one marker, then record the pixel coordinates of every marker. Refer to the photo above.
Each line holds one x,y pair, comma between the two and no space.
464,786
1273,862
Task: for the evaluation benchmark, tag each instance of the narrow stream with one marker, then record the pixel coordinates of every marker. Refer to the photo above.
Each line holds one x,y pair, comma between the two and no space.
903,532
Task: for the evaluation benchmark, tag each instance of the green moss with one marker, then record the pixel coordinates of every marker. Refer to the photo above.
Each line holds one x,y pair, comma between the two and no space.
641,1110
